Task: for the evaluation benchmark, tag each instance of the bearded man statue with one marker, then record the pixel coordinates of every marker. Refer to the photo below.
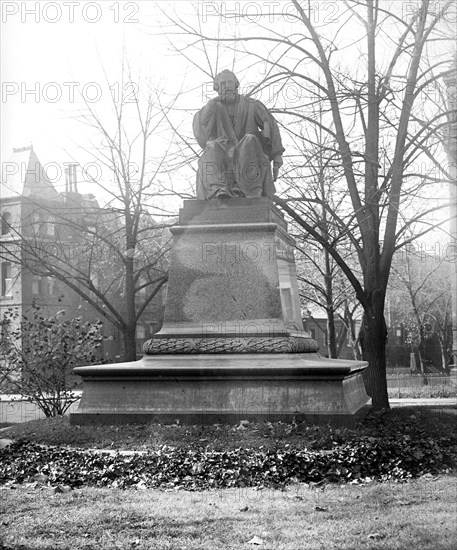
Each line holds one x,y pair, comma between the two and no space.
240,139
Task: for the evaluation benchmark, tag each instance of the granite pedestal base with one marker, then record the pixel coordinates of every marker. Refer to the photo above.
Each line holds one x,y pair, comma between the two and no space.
232,345
207,389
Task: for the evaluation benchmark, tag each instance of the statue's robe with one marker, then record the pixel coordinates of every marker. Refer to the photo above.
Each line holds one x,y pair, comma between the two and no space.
237,150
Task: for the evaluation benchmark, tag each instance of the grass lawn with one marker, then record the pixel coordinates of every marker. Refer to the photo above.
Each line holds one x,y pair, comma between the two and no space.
423,392
420,514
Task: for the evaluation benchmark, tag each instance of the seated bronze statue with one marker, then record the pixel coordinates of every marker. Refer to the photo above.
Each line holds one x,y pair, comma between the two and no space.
240,139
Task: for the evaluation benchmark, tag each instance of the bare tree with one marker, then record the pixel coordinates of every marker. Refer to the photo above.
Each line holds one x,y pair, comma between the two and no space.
383,115
420,288
313,184
322,285
113,257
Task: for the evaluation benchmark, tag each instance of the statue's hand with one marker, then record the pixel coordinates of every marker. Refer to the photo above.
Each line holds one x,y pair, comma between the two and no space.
277,163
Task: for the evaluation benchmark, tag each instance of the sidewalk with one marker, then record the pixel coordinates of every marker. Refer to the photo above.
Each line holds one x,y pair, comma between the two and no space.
13,412
434,403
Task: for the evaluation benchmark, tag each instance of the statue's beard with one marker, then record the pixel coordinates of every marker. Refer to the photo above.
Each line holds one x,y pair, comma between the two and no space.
229,96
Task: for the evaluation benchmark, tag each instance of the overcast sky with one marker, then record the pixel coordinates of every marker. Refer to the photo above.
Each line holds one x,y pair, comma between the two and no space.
52,52
46,65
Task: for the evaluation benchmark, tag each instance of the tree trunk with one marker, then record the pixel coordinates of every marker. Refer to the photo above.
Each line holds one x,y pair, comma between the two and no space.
129,337
443,354
130,306
421,346
350,328
331,334
342,337
421,361
373,339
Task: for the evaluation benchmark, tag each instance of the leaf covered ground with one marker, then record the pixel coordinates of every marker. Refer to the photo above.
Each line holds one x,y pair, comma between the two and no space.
58,431
397,445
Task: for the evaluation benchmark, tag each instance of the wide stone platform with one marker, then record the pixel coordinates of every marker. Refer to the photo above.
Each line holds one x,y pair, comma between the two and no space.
232,345
221,389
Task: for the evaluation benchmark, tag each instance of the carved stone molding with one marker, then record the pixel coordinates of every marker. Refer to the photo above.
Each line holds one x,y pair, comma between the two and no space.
260,344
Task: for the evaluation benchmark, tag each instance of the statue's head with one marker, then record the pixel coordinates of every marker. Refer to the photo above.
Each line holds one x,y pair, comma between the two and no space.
225,81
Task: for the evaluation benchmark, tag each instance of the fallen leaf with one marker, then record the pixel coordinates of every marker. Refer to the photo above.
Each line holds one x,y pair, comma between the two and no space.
255,540
62,489
376,536
41,478
245,509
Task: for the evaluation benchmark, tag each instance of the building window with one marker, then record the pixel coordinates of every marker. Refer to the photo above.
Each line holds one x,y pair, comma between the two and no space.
141,286
36,221
4,331
36,285
7,281
312,332
6,223
140,332
51,226
52,285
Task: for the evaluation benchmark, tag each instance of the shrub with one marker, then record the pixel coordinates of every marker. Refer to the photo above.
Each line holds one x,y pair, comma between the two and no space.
40,353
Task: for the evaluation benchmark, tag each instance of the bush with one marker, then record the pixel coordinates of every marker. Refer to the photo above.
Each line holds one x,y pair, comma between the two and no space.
40,353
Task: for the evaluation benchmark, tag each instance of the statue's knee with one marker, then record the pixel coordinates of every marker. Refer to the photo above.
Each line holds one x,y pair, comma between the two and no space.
211,144
248,142
250,138
216,144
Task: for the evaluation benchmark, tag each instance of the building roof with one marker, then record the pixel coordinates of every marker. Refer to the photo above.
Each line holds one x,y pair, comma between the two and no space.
319,313
23,175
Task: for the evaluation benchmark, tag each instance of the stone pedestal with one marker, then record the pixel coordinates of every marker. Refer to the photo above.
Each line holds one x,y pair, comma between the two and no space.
232,345
232,272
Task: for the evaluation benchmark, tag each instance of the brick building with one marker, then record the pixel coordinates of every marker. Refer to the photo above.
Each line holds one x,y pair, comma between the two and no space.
31,211
28,203
316,325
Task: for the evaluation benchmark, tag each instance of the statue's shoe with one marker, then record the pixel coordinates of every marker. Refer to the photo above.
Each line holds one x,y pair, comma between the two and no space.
222,194
236,192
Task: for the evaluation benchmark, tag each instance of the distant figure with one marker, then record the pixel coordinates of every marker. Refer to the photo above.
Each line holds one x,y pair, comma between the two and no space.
240,138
